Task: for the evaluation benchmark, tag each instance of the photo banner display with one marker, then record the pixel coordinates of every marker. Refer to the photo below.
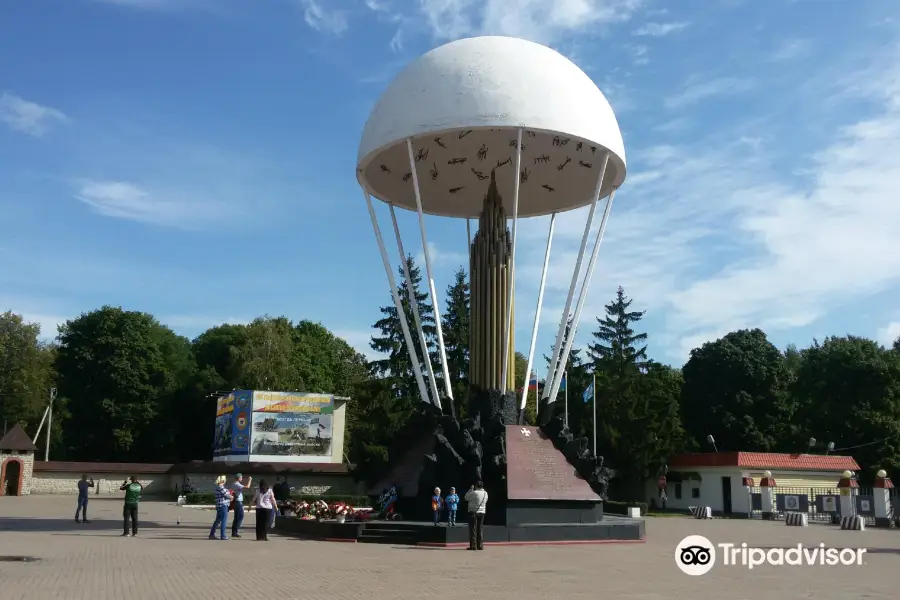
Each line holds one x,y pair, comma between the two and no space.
232,428
291,424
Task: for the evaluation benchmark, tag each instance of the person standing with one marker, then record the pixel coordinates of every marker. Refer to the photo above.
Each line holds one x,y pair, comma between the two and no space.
452,502
238,488
282,492
477,499
264,500
81,511
437,506
132,489
223,499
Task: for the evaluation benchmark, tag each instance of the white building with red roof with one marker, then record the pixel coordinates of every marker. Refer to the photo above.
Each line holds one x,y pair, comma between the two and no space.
719,479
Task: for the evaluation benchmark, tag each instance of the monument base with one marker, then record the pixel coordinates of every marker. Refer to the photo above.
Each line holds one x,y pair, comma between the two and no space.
612,529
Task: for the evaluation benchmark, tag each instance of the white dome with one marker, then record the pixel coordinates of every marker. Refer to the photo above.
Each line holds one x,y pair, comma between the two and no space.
462,104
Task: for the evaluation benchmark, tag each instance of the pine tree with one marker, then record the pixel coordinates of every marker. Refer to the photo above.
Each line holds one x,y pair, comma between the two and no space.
616,351
397,364
455,322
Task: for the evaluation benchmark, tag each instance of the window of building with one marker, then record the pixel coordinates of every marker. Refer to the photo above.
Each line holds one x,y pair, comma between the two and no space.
678,491
695,493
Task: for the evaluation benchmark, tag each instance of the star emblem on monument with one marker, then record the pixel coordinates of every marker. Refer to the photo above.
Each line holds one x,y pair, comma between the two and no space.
525,432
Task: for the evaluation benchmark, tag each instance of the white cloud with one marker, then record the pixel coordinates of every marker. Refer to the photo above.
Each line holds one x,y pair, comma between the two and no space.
124,200
443,258
396,43
792,49
543,21
888,334
660,29
639,53
715,235
321,19
696,90
28,117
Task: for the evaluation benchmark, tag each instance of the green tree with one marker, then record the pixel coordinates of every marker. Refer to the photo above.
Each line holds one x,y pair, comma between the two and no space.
326,363
267,358
896,346
848,389
396,365
619,351
219,348
375,417
26,371
734,389
455,322
120,371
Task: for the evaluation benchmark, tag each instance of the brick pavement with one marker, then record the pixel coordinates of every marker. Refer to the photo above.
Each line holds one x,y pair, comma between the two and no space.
170,561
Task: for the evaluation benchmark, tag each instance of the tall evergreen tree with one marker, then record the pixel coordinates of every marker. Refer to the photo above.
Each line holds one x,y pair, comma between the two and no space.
455,322
618,349
397,364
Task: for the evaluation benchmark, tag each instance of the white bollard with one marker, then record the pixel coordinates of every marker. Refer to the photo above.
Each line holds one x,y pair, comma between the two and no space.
854,523
882,492
796,519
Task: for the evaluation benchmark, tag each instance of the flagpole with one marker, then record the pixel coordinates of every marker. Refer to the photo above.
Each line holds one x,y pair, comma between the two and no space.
566,399
594,384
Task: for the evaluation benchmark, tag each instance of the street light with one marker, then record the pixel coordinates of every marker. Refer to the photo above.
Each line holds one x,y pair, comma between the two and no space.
712,441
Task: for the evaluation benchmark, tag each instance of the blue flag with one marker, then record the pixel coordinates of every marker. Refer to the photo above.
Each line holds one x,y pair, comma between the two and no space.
562,384
589,393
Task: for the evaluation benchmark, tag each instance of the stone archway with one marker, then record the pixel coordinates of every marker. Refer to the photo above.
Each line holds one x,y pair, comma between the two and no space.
12,474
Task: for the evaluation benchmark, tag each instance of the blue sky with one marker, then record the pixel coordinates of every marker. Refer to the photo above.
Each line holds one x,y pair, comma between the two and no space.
195,159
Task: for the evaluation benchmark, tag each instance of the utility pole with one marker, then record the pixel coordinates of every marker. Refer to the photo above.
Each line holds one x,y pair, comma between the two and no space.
49,423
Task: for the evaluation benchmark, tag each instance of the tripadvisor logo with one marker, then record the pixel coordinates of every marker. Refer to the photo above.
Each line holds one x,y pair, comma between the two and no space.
696,555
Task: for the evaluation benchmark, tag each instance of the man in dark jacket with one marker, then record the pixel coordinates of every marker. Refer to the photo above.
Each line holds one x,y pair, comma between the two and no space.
282,492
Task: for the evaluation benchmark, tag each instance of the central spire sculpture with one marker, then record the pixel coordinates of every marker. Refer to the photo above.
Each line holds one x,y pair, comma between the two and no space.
490,269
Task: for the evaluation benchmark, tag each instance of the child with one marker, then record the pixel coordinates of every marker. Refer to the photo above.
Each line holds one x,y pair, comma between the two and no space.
437,504
452,502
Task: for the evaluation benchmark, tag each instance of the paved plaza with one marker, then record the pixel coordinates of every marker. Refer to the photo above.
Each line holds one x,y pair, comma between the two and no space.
168,560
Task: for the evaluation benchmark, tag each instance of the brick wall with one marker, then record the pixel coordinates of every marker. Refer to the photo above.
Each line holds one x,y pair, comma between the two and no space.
107,484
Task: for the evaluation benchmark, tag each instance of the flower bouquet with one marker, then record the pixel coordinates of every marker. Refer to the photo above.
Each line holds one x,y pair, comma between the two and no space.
321,510
290,508
341,511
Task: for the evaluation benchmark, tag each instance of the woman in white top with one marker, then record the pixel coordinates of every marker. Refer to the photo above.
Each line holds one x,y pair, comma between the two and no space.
264,500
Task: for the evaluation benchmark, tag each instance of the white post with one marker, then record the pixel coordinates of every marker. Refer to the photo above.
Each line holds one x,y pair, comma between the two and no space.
565,378
555,367
411,294
41,425
594,388
49,424
448,389
469,242
537,314
570,339
511,276
397,302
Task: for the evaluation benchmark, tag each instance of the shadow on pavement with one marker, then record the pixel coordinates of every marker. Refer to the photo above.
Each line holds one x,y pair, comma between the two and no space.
56,525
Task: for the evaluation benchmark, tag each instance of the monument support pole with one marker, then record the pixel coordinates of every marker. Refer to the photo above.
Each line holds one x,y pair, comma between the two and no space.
570,339
469,247
511,275
594,388
556,367
448,388
537,317
401,314
411,295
